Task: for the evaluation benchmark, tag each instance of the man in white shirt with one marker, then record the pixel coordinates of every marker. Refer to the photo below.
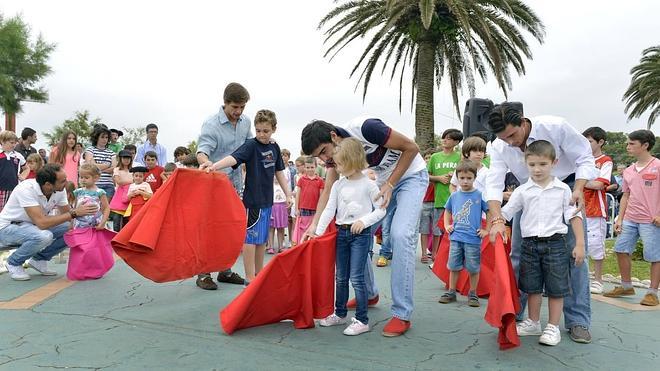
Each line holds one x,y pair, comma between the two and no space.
26,221
575,167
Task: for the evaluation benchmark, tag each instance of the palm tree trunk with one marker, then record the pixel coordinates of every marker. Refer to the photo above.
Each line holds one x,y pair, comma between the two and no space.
424,124
10,121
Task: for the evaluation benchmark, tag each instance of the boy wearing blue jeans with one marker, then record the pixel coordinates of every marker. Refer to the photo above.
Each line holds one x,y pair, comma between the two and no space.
545,259
465,206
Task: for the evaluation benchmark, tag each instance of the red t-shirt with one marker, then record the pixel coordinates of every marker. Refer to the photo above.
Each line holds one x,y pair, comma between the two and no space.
595,200
153,178
310,190
31,175
430,193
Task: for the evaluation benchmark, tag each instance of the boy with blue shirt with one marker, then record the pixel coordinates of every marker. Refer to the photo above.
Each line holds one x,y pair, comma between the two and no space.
263,160
465,206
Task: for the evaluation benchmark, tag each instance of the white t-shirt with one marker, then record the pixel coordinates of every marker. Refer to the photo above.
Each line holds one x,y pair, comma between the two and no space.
350,201
28,194
373,134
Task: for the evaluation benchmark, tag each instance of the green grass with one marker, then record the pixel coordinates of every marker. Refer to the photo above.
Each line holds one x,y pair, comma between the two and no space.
640,268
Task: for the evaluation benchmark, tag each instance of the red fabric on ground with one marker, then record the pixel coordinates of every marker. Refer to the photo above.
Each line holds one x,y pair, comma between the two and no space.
504,301
463,284
195,223
297,285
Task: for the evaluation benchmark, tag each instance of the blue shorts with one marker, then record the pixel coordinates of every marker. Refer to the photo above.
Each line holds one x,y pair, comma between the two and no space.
631,232
460,252
545,264
258,222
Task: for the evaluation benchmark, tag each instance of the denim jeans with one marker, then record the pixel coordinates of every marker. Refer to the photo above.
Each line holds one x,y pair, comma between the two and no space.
385,247
400,225
34,242
577,306
351,254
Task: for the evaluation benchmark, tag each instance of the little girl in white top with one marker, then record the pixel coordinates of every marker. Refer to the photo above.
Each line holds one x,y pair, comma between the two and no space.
352,205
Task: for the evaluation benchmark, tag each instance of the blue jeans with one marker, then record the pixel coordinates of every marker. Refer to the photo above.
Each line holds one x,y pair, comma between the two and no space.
577,306
385,247
400,225
33,242
351,254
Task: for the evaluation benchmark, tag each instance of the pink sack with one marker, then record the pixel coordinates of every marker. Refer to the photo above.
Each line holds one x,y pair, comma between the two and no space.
90,253
120,200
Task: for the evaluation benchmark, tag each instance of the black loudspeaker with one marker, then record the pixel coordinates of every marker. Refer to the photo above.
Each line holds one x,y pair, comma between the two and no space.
475,117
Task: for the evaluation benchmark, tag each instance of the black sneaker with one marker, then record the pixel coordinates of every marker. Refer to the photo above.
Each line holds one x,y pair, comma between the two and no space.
580,334
473,300
233,277
206,282
448,297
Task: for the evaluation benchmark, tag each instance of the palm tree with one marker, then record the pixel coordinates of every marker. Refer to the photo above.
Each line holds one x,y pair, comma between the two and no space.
644,90
438,39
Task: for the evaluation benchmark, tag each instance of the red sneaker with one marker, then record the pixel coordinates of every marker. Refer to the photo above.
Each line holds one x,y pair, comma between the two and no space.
351,304
395,327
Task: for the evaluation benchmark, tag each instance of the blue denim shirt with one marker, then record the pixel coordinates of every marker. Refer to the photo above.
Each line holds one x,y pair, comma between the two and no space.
220,138
145,147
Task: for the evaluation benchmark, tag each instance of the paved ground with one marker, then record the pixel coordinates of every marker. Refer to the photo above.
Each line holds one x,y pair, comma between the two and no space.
124,322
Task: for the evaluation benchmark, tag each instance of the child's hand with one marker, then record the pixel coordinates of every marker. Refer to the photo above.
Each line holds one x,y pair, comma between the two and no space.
101,226
297,213
482,233
578,254
289,202
449,228
357,227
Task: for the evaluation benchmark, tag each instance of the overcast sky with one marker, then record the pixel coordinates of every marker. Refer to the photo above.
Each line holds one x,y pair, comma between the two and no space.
167,62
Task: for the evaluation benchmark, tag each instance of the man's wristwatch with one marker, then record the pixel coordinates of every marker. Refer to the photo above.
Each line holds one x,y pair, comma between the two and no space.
73,213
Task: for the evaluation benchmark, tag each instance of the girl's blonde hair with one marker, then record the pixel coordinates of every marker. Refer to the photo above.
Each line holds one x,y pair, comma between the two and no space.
37,159
90,169
350,153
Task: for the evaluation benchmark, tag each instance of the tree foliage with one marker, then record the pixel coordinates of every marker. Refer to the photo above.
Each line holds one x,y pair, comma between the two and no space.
80,124
643,94
437,40
192,146
133,136
22,65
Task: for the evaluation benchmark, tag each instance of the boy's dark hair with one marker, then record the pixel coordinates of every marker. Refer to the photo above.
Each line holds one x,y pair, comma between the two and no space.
314,134
541,148
48,174
130,147
503,114
643,136
151,154
169,167
473,144
190,161
453,134
596,134
467,166
27,132
236,93
151,126
96,133
181,151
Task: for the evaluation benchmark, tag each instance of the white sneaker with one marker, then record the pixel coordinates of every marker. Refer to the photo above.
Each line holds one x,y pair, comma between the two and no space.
356,328
17,273
41,266
551,335
332,320
528,327
596,287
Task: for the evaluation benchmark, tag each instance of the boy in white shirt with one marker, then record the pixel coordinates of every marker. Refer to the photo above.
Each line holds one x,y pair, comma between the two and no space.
545,260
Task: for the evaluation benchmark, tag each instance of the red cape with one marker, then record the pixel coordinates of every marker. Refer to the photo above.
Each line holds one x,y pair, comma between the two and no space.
195,223
297,284
504,300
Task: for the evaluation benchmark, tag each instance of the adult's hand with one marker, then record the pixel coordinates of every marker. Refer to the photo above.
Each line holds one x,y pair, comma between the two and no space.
577,199
498,228
309,233
656,221
205,165
386,194
87,209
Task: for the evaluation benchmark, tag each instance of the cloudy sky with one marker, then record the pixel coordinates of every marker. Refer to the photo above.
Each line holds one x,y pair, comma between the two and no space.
167,62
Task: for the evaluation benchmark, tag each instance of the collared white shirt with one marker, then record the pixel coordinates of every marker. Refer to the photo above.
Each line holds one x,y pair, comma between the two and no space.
545,211
28,194
573,155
